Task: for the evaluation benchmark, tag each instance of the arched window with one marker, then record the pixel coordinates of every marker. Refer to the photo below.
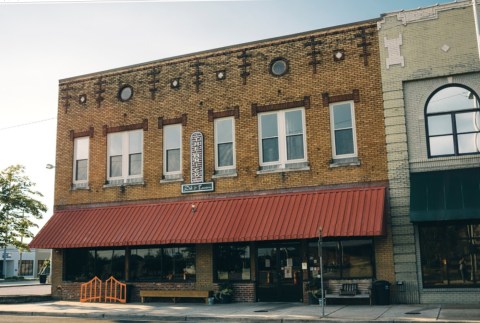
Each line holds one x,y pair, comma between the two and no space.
453,122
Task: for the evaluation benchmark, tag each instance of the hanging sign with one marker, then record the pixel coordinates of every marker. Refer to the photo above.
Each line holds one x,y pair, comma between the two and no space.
196,167
196,157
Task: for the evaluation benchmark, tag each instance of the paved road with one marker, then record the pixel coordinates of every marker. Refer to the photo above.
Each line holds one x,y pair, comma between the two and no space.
18,289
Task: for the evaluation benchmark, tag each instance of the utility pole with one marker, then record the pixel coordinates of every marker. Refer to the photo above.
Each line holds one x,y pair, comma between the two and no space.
5,262
5,249
320,254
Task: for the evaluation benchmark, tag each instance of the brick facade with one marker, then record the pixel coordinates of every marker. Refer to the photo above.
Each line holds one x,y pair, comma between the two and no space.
261,88
421,50
90,106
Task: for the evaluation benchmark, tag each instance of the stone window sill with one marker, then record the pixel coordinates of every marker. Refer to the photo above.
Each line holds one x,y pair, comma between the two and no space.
80,187
294,167
225,173
172,179
122,182
345,162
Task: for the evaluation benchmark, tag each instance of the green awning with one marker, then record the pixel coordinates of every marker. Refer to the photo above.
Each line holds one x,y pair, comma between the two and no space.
445,195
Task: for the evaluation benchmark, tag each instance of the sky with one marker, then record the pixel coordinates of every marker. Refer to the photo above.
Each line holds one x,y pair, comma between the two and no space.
42,42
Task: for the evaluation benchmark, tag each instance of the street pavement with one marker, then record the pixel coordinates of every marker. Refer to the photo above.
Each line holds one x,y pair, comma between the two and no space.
23,288
237,312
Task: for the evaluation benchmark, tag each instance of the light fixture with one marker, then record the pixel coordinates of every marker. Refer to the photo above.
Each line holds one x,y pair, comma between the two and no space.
49,166
194,208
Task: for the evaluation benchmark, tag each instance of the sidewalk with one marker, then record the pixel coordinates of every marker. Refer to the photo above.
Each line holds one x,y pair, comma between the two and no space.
243,312
248,312
24,292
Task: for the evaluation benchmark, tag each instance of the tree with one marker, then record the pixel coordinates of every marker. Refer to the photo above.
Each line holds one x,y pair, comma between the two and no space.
18,207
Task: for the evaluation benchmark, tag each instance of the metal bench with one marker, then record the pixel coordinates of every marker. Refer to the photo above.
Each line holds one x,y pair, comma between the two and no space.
174,294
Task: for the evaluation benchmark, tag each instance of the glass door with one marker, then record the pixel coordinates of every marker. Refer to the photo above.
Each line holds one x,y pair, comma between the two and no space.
279,273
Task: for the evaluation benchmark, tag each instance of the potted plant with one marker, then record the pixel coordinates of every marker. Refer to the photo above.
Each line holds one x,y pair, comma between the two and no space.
314,291
225,293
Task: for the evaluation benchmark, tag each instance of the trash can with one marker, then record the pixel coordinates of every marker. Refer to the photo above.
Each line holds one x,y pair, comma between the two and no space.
43,279
381,292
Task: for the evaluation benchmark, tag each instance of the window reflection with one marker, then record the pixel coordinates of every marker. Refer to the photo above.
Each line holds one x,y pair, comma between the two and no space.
343,259
168,264
453,122
156,264
84,264
450,255
233,262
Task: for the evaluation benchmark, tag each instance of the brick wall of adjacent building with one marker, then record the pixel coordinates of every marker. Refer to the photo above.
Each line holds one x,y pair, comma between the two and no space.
420,50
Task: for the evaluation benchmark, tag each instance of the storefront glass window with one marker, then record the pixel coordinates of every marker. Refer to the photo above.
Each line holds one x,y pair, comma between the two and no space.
233,262
146,263
159,264
342,259
450,255
26,267
170,264
84,264
110,263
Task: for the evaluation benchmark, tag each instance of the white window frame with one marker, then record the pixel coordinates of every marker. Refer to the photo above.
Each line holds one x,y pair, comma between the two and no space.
282,139
172,174
125,177
77,155
219,141
354,131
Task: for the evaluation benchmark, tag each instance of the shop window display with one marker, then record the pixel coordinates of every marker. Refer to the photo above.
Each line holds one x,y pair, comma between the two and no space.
450,255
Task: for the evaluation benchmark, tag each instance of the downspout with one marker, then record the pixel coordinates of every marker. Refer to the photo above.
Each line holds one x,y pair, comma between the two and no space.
477,30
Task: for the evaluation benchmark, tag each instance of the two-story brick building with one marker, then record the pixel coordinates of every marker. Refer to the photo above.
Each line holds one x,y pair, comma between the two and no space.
221,166
431,85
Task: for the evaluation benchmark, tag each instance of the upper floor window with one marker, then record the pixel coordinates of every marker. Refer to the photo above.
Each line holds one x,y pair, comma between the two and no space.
342,118
172,149
453,122
282,137
125,151
80,161
224,143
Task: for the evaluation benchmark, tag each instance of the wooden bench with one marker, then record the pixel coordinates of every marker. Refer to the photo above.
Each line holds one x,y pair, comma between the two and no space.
174,294
349,289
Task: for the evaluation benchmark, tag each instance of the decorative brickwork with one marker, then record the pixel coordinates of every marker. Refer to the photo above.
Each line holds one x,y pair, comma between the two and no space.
263,90
86,133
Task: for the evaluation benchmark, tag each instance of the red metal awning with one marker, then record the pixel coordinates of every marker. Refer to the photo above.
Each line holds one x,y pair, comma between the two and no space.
353,212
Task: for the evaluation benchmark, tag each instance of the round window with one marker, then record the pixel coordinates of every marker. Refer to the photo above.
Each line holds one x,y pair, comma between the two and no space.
125,93
279,67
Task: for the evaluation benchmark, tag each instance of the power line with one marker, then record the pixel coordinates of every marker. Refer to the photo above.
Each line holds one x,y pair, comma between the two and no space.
27,124
13,2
